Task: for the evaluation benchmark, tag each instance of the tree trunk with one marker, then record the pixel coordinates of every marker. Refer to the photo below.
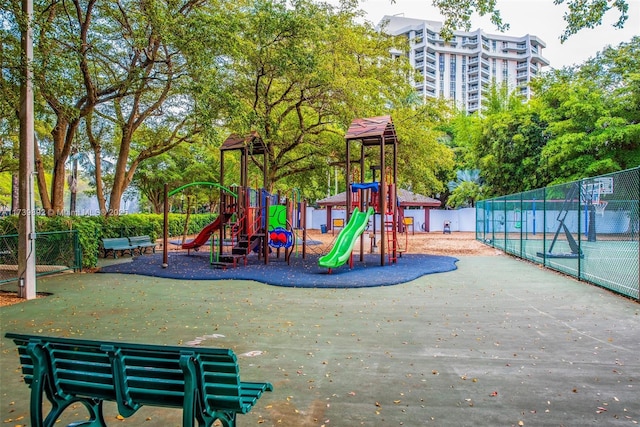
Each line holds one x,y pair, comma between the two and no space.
97,160
73,187
119,184
42,184
186,221
156,200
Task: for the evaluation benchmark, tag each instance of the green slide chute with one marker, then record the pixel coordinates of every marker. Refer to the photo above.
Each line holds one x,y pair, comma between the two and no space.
343,247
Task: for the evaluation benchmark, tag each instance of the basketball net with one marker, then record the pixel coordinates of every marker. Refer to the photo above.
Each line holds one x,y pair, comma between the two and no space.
600,207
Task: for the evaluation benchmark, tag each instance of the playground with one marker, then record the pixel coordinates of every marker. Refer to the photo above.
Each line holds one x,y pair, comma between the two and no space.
486,338
253,221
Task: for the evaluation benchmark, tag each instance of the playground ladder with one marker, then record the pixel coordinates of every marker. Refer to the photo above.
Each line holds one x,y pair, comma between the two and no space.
392,241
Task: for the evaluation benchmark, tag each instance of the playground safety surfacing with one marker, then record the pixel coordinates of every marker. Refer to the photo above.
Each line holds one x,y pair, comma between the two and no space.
299,273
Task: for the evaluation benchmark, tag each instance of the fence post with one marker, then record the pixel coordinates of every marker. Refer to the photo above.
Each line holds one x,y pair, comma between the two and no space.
544,226
77,251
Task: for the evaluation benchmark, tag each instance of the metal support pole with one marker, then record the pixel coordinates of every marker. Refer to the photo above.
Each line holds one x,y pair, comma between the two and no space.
165,234
26,226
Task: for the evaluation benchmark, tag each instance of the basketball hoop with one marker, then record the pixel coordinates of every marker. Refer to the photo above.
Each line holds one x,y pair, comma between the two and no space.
600,207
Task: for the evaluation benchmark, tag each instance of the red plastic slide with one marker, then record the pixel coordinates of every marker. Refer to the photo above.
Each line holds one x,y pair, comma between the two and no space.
205,234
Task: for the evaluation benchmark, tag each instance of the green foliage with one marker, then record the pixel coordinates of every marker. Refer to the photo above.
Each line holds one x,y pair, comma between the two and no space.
303,77
466,189
5,189
592,115
581,14
423,156
93,228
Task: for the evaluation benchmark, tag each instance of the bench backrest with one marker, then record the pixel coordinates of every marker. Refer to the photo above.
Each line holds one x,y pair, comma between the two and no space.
134,374
115,242
139,239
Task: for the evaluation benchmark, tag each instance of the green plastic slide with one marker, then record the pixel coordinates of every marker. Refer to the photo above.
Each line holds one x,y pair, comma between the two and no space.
341,250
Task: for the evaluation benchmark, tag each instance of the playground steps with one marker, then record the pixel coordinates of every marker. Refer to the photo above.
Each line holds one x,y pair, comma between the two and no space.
229,260
246,245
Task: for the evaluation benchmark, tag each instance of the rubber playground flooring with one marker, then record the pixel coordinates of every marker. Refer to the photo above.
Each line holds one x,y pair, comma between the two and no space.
299,272
496,342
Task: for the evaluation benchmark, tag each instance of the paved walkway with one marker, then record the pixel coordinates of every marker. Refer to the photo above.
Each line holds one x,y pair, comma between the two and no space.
496,342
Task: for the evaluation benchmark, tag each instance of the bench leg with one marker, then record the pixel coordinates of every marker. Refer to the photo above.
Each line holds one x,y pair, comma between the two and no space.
96,417
42,384
226,418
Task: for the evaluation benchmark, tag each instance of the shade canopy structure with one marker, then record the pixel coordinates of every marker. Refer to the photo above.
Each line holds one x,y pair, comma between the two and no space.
373,131
251,142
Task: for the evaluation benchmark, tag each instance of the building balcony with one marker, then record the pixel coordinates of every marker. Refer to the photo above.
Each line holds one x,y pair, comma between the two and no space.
470,42
513,47
538,59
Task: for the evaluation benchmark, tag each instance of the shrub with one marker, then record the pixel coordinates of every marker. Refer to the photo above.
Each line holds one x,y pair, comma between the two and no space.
91,229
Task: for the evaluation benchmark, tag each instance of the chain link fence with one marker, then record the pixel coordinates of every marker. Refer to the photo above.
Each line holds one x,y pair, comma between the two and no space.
55,252
587,229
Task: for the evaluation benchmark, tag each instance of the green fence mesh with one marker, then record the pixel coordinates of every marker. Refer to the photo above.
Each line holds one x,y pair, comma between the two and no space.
587,229
55,252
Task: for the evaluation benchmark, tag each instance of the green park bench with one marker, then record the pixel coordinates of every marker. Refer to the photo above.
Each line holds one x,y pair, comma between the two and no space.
204,382
143,243
117,244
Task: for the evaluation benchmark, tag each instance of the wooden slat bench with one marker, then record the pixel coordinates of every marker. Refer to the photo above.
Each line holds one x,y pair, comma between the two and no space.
117,244
143,243
204,382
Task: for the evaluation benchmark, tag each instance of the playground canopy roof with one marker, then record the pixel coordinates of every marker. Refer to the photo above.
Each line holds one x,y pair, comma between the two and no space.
405,197
252,141
372,130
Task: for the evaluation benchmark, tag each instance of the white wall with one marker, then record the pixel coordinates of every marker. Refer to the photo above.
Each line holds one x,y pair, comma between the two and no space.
460,219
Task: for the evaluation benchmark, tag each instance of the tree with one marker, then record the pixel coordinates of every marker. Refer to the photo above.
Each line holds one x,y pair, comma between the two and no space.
581,14
423,157
592,111
120,64
160,111
9,105
302,78
466,189
184,164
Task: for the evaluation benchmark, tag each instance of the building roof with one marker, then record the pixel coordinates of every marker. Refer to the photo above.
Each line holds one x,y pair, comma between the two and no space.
406,198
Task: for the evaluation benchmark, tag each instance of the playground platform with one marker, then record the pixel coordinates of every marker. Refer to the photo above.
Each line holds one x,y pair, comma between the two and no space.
497,342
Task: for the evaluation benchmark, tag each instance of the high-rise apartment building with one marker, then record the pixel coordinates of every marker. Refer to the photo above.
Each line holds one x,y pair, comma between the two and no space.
463,68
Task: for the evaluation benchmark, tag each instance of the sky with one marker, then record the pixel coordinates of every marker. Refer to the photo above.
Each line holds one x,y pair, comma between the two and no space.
536,17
